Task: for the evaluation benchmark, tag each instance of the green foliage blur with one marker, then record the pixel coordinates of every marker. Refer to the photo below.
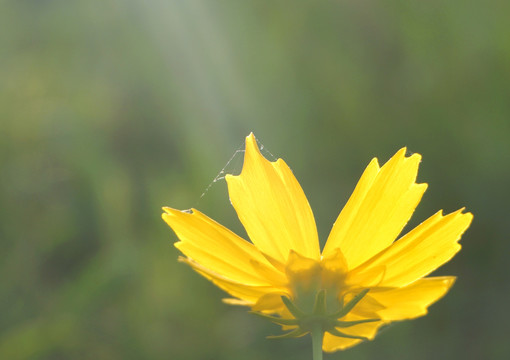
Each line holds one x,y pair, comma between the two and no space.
111,109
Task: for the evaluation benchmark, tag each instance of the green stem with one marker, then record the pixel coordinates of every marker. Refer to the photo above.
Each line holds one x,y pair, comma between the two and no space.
317,335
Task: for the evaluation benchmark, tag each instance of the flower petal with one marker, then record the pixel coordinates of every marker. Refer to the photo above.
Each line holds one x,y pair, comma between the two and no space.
271,303
369,330
411,301
249,293
220,250
421,251
382,203
334,343
272,206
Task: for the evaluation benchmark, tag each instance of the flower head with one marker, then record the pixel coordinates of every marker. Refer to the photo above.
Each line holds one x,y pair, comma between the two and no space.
361,280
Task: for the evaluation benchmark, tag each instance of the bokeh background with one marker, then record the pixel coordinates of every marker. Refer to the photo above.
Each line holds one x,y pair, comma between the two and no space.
110,109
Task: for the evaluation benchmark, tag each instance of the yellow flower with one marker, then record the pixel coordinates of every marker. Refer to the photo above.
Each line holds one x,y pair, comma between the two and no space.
361,280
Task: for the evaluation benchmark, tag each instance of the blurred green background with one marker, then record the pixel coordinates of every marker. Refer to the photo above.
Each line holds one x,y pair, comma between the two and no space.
111,109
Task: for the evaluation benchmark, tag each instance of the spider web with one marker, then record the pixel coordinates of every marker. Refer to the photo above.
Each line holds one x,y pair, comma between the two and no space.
234,165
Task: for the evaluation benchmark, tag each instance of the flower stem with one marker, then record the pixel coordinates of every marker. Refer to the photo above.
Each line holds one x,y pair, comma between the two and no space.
317,335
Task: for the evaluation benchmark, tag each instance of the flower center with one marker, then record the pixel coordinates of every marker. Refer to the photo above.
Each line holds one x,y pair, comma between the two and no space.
307,277
317,290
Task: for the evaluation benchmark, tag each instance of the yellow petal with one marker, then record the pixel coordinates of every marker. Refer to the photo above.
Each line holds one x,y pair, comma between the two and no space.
272,206
333,343
236,302
411,301
382,203
369,330
368,307
366,279
270,303
220,250
249,293
274,276
421,251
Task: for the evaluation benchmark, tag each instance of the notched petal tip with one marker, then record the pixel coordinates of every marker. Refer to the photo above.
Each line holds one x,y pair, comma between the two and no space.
252,151
407,154
251,144
170,211
469,214
401,152
167,211
466,216
170,216
251,154
373,166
